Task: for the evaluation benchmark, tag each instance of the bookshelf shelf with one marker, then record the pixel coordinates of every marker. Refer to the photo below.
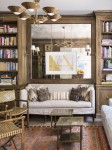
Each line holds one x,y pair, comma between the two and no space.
8,46
8,59
2,72
106,33
7,33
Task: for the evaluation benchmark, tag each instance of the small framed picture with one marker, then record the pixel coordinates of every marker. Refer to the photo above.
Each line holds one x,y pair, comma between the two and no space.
48,47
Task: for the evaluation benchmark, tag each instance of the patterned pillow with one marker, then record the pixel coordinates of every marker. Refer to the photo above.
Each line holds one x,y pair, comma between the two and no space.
32,95
43,94
75,94
80,94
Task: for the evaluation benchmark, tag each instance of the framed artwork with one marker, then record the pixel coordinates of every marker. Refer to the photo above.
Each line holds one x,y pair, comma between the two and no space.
48,47
61,63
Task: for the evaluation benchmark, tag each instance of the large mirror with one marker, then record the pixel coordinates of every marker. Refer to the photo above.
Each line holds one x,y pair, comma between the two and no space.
59,42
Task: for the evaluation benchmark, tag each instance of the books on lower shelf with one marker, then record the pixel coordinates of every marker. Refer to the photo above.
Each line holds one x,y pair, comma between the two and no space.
7,80
8,53
8,66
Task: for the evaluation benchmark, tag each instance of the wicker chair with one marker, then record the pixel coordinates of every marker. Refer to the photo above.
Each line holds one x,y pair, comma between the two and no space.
9,129
9,96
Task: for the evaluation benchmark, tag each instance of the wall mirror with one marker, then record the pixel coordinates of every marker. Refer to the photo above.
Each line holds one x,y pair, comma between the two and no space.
61,39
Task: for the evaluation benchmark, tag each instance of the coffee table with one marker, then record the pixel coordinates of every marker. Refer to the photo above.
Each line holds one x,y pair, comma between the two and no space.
69,137
60,112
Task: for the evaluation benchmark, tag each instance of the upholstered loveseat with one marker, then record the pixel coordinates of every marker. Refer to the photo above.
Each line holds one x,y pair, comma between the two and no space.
106,112
59,98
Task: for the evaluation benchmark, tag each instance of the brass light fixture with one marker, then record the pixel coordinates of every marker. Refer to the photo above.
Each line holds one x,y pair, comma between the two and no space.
30,10
65,43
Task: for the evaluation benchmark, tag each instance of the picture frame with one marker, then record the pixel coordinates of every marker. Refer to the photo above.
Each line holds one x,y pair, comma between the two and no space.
61,63
48,47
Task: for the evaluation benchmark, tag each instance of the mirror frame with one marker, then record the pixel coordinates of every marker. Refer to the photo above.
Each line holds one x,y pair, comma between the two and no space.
90,19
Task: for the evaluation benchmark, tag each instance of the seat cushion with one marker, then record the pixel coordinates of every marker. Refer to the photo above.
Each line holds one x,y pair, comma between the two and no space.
59,104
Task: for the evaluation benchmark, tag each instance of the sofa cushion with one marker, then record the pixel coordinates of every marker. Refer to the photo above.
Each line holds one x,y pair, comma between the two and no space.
43,94
32,95
59,104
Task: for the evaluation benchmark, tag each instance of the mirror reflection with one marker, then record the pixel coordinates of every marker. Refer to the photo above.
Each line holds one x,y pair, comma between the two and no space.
49,38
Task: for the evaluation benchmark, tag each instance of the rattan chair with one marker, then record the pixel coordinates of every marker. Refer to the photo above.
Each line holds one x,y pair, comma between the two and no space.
9,129
8,97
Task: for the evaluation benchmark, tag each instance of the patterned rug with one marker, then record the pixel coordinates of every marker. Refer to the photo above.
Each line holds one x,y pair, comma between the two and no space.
44,138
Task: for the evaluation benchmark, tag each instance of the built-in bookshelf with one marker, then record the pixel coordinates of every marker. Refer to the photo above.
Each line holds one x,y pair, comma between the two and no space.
106,52
8,53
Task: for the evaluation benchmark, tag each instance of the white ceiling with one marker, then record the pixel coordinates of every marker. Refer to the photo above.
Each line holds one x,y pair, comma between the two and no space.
66,7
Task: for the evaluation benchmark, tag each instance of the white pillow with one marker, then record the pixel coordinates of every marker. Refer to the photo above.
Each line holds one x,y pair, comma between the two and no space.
59,96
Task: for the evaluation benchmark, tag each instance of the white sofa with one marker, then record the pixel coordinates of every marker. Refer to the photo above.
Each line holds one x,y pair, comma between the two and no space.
45,107
106,112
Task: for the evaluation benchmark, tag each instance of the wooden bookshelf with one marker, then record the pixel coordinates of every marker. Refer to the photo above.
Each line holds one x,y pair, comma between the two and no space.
103,58
12,47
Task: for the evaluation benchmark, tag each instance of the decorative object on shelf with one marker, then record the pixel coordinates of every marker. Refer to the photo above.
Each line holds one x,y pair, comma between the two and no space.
48,47
32,7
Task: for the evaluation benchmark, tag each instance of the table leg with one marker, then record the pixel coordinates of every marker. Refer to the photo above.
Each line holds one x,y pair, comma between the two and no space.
55,121
57,138
51,121
80,137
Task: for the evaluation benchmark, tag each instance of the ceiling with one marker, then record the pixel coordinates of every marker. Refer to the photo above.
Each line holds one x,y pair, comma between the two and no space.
66,7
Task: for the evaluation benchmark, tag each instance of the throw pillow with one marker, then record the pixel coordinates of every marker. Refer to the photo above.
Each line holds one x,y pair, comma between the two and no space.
43,94
85,94
75,94
32,95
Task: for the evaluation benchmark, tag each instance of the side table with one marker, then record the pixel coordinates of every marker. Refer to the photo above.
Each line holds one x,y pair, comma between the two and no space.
69,137
60,112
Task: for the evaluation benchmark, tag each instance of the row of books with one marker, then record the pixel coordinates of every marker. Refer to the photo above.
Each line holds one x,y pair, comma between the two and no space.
8,41
8,28
8,53
8,66
106,26
8,79
106,52
106,42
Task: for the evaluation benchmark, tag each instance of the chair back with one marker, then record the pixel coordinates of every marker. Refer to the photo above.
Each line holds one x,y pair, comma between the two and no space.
7,96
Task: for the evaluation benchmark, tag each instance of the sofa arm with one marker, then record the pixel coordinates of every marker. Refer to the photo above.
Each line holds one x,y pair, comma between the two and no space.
92,97
110,102
23,96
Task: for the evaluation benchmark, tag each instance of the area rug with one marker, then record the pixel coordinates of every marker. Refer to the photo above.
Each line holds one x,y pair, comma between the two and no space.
44,138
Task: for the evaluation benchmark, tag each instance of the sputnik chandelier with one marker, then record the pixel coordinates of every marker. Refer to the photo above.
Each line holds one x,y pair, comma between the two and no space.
30,10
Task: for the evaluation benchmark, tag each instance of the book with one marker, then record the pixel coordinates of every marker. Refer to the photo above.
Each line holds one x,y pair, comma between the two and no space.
108,77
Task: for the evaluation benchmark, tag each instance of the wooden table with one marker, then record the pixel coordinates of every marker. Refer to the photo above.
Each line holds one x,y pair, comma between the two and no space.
60,112
69,137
